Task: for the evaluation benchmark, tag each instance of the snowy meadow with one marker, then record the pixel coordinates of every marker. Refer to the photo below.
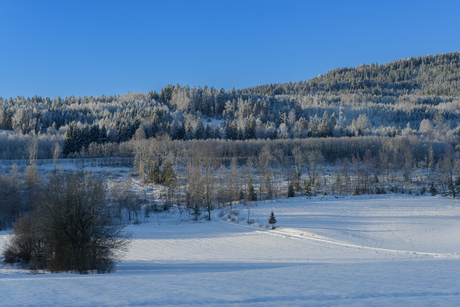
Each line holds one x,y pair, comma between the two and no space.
355,251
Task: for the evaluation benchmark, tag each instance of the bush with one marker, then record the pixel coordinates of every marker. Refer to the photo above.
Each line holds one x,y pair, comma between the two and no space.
196,212
306,188
72,230
432,190
290,192
355,191
422,191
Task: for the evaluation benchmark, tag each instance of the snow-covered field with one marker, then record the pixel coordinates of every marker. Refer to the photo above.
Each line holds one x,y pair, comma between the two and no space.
369,251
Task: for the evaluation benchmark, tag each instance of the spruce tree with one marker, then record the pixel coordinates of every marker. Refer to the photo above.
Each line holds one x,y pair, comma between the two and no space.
189,131
450,187
155,173
196,212
251,193
199,130
332,124
324,125
432,190
457,185
103,135
69,139
290,192
306,188
94,134
208,132
272,220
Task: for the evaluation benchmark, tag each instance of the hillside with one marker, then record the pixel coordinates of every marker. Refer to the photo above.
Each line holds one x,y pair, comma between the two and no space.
429,75
410,97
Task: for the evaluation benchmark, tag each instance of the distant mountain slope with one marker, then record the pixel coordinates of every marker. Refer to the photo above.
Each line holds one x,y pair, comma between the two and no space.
429,75
411,97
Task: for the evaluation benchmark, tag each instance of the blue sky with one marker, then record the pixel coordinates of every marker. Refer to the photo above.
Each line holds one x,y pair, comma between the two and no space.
51,48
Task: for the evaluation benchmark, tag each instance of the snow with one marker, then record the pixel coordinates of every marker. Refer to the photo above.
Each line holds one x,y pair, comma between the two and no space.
353,251
6,132
214,122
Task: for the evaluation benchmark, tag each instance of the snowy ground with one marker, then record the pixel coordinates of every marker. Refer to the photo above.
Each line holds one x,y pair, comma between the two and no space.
378,251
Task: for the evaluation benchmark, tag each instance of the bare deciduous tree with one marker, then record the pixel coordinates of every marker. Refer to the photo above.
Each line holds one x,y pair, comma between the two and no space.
57,151
33,149
72,229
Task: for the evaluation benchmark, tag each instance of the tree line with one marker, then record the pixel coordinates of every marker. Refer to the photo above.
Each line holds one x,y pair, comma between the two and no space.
391,99
208,174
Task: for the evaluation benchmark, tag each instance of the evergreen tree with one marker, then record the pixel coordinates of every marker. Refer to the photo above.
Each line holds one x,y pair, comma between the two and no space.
218,132
86,136
457,185
324,125
169,175
68,140
180,132
103,135
189,131
250,128
332,124
155,173
251,193
450,187
155,124
231,131
208,132
341,120
272,220
196,212
290,192
94,134
241,194
306,188
313,126
199,131
432,190
71,139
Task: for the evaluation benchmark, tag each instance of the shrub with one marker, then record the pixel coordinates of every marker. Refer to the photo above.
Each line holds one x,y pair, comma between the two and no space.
306,188
422,191
72,230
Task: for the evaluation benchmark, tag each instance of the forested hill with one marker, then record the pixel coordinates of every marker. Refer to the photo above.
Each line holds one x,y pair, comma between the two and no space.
429,75
413,97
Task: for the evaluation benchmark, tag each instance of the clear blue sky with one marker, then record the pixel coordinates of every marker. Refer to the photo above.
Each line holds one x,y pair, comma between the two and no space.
79,48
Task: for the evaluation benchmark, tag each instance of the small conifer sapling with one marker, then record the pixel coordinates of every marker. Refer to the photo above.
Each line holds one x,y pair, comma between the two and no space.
272,220
290,192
